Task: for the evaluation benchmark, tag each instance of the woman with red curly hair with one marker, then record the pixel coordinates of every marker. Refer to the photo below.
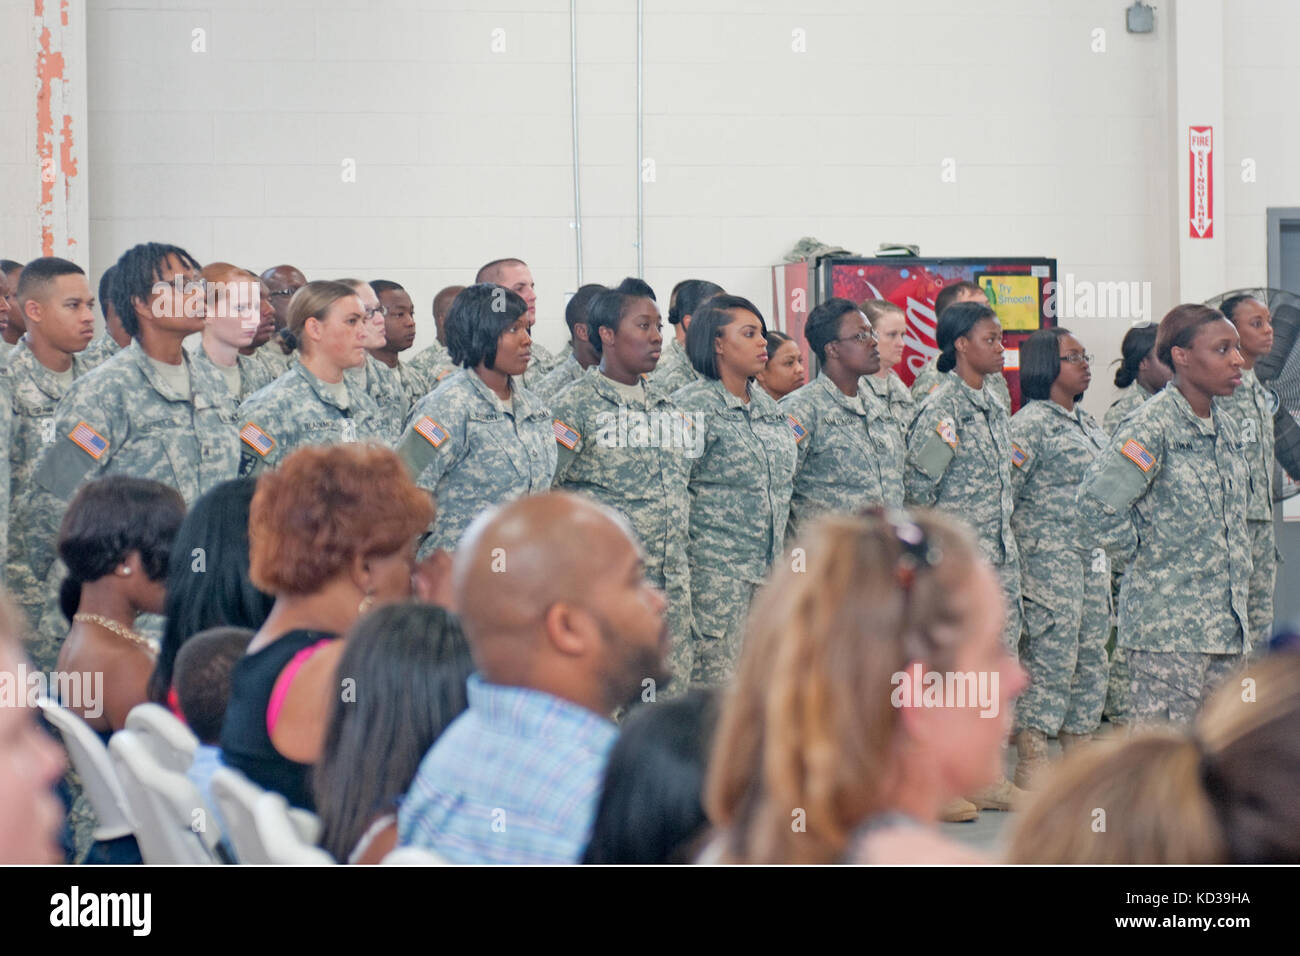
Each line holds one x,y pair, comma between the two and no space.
332,533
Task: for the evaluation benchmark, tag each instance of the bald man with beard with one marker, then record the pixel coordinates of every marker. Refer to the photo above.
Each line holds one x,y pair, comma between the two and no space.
564,629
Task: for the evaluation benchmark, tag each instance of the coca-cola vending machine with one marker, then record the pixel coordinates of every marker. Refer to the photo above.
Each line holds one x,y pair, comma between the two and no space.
1018,289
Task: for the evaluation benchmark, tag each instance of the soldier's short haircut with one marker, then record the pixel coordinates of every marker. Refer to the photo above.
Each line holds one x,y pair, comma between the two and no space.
823,325
9,265
1179,327
106,290
385,285
489,272
1040,363
443,300
949,294
138,269
39,273
109,518
478,317
576,310
691,294
955,323
706,325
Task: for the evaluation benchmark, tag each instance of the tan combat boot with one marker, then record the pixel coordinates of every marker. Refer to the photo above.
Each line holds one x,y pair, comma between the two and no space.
1002,795
1031,752
1070,741
959,811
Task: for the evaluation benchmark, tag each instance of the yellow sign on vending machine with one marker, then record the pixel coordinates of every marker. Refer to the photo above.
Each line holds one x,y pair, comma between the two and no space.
1015,299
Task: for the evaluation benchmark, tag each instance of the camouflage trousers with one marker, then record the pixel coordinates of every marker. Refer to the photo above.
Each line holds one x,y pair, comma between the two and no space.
1009,574
1116,708
1263,579
1063,650
720,607
1171,687
682,657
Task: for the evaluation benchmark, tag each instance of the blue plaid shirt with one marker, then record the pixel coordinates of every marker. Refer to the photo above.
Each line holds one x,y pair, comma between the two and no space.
514,779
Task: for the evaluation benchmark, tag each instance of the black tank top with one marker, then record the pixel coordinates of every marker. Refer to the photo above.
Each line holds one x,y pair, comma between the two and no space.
245,742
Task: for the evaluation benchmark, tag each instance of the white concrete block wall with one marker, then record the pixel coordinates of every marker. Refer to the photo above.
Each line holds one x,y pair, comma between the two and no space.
463,154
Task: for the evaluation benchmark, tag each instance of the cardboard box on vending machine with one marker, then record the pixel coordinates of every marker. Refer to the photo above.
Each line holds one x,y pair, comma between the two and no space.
1018,289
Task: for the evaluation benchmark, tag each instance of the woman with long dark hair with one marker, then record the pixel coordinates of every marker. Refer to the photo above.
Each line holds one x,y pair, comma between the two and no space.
402,682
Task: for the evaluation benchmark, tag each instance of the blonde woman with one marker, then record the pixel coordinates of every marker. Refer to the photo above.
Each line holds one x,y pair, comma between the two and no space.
889,323
313,403
824,754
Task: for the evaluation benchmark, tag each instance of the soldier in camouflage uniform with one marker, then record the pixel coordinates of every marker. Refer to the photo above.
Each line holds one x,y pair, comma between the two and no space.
1253,407
959,460
959,451
582,355
375,378
850,452
113,338
397,335
55,298
313,403
1140,375
930,377
1168,499
6,425
465,442
623,442
1066,589
153,414
234,307
674,369
740,486
434,362
890,324
514,274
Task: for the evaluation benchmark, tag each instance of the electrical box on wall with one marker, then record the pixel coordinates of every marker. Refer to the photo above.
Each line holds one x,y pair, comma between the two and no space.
1141,18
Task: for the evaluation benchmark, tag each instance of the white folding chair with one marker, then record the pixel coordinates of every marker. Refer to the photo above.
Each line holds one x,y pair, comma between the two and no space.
174,824
235,795
170,741
281,835
412,856
98,779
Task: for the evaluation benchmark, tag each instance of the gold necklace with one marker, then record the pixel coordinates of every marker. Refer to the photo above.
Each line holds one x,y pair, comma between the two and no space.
121,630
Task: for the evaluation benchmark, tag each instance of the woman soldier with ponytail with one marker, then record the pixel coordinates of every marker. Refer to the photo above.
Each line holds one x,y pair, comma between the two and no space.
959,460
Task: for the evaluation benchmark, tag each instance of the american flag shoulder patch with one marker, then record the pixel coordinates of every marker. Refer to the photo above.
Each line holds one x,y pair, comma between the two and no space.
1018,456
1138,455
947,431
799,431
431,431
565,435
88,440
256,439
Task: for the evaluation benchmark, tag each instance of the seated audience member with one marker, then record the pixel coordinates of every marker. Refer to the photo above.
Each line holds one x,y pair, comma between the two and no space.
827,713
651,808
30,763
1223,792
203,669
115,540
408,664
515,779
1250,765
331,534
784,371
1148,788
207,579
